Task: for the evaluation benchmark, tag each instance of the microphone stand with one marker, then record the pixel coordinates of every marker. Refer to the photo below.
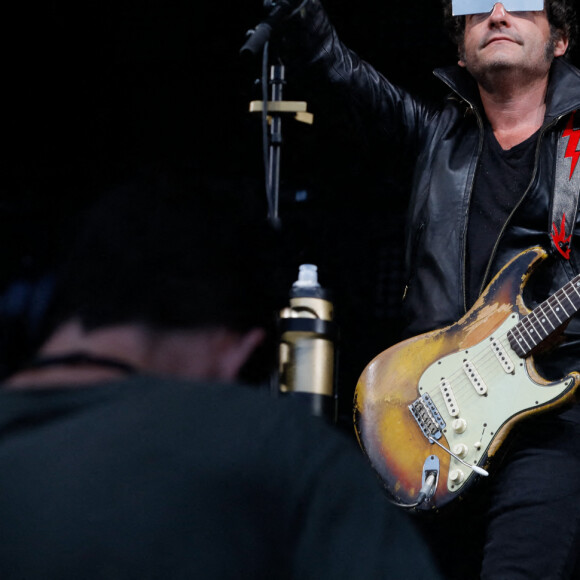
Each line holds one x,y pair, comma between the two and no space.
277,78
273,110
307,333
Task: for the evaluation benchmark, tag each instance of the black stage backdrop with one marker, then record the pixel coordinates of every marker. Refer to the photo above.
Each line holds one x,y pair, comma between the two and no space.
93,90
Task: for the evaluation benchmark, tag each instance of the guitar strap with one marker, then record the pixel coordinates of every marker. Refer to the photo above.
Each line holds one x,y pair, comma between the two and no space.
566,188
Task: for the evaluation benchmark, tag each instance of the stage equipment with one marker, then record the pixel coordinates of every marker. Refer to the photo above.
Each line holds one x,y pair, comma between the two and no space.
307,332
272,110
259,36
307,345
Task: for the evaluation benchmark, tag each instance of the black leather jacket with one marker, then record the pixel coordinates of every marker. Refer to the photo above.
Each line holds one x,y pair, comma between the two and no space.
446,142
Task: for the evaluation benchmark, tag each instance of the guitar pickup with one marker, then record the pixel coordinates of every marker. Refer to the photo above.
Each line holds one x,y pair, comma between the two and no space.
474,377
449,398
502,356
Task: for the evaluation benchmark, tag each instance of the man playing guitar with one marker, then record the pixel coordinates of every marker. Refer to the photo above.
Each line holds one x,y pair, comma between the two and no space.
495,174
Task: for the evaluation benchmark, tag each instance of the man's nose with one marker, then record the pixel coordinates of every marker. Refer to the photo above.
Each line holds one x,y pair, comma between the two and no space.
498,12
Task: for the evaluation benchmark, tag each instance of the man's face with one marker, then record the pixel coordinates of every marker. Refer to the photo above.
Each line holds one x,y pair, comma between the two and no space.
509,41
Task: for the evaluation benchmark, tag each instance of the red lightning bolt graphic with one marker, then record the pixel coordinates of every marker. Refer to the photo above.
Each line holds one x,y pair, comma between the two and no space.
561,241
574,137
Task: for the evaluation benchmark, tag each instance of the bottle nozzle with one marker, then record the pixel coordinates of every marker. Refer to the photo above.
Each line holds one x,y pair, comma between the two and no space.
307,277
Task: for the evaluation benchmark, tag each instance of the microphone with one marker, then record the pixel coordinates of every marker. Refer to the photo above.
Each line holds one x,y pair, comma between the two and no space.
261,34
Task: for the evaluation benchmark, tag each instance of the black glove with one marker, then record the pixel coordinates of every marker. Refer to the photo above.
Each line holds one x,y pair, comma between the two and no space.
279,12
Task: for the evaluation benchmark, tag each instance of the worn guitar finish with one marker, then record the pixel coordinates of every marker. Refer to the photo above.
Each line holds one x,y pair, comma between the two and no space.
462,387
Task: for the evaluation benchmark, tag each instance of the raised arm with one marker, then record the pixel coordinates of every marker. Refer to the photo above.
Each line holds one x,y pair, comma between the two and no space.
311,41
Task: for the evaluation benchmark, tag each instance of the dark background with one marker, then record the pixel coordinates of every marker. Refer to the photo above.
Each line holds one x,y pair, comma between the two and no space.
94,90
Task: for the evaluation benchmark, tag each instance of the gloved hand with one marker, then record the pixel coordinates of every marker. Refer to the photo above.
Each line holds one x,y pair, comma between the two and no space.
277,13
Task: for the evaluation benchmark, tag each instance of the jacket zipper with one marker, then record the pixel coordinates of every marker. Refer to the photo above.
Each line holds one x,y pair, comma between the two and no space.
412,260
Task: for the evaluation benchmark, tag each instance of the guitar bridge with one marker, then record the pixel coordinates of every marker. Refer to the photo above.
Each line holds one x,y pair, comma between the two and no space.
428,417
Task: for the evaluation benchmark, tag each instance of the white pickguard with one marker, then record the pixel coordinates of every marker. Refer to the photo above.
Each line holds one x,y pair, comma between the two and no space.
479,410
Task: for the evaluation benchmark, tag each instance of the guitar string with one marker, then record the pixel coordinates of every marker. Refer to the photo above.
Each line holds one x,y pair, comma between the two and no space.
526,323
460,383
488,367
486,362
483,361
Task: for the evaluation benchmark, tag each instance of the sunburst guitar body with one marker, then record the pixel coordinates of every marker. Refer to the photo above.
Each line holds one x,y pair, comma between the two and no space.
442,403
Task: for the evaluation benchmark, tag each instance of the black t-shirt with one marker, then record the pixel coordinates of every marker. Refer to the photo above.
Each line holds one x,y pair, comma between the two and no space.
151,478
501,179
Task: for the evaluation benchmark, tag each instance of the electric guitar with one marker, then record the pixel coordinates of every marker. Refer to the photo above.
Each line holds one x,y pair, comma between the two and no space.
432,410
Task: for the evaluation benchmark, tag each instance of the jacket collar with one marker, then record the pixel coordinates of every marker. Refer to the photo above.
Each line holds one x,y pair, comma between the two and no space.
563,90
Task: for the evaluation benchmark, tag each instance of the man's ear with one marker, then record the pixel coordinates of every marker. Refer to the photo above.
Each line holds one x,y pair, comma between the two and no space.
561,45
461,55
239,351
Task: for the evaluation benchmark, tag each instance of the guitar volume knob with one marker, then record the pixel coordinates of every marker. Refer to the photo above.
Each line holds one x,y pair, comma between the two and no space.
459,425
456,475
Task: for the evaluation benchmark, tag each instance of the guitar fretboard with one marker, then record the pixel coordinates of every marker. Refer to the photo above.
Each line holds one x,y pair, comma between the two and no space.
546,318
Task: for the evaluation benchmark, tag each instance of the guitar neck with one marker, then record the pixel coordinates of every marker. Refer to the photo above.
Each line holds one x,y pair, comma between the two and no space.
546,318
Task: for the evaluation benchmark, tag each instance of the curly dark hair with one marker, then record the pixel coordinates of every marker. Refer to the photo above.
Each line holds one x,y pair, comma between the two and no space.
561,15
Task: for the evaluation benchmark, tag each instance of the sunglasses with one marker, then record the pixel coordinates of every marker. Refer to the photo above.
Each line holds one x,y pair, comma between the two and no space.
463,7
